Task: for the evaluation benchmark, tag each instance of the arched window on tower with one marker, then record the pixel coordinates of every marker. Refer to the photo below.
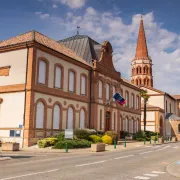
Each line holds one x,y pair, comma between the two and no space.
140,82
137,70
147,82
144,69
140,70
137,82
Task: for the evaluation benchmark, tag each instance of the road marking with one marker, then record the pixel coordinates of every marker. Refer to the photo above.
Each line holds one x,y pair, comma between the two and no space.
141,177
124,156
158,172
97,162
29,174
148,146
146,152
151,175
175,147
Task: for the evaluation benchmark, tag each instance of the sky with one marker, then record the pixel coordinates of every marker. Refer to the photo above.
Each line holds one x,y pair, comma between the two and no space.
114,20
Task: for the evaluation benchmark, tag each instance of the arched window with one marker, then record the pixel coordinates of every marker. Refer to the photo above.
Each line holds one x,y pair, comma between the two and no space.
42,72
137,82
137,102
40,115
137,70
140,70
178,128
140,82
107,91
83,85
56,117
132,100
82,118
114,91
147,82
127,99
71,81
70,118
58,77
100,89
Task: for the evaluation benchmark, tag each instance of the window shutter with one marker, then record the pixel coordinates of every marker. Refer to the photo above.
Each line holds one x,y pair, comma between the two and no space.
83,85
82,119
42,72
56,117
100,89
71,81
40,115
107,91
70,118
58,77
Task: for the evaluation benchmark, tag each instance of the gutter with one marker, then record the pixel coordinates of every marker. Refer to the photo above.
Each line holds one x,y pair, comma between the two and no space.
25,90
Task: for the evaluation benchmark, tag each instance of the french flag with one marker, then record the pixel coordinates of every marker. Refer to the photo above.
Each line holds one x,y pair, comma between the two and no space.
119,99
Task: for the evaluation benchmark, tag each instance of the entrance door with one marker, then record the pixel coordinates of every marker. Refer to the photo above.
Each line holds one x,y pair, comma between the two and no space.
108,120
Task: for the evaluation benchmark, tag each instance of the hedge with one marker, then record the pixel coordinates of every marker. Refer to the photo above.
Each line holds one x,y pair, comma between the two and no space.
47,142
95,138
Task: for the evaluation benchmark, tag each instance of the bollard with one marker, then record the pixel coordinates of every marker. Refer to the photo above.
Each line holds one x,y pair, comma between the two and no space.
66,147
114,144
125,143
144,141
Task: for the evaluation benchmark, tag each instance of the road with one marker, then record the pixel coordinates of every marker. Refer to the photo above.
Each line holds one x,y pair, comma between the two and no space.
140,163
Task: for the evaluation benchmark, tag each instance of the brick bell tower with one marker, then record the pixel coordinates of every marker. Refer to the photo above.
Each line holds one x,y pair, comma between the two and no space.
142,63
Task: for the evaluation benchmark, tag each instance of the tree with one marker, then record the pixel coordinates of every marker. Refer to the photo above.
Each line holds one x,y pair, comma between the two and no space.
145,96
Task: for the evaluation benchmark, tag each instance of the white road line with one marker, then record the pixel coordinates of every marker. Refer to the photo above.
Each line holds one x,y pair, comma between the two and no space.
151,175
158,172
174,147
91,163
30,174
124,156
146,152
141,177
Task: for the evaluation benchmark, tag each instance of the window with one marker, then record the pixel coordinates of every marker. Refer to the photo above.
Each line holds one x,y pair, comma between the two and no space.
15,133
56,117
82,118
113,122
107,91
170,107
83,85
132,100
100,89
137,102
40,115
114,91
120,124
70,118
135,127
42,72
58,77
126,124
178,128
127,99
137,124
71,81
101,121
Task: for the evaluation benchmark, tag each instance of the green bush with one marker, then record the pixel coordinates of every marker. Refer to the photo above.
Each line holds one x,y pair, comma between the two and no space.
147,135
81,143
112,134
107,139
95,138
47,142
81,134
60,136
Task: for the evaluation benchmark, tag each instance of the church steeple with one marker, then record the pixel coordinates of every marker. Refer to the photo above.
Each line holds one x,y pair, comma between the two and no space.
142,63
141,48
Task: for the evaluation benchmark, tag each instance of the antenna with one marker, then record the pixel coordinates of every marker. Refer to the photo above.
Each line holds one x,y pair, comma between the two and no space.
78,27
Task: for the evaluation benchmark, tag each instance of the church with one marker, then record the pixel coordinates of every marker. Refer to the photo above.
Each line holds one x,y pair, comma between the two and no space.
163,109
47,86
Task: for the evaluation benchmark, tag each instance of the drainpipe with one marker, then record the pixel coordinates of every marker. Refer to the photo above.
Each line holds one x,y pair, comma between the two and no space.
25,91
90,99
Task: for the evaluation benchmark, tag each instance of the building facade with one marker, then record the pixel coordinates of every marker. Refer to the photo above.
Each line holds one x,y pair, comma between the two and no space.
160,105
46,87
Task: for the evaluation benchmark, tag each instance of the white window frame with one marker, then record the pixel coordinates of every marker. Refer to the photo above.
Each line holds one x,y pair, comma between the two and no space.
58,77
83,85
70,118
40,115
56,117
82,118
114,91
107,91
42,72
100,84
71,81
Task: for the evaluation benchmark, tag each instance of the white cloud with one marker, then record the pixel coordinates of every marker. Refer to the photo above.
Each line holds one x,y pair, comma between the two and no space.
74,4
42,15
123,37
54,6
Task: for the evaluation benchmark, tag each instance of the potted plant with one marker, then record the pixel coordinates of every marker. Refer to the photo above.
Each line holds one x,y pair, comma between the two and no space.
10,146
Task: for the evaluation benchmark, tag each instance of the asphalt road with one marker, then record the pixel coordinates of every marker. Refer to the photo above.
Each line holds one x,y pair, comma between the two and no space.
141,163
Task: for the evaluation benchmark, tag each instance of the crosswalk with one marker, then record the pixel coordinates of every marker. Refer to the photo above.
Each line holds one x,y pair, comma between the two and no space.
150,175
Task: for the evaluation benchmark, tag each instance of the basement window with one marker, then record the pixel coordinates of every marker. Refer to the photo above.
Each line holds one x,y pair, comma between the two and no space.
15,133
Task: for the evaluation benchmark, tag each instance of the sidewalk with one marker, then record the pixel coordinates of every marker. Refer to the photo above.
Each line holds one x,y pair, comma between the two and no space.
174,169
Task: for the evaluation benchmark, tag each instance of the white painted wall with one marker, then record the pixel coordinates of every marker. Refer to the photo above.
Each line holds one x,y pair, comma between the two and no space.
17,60
12,109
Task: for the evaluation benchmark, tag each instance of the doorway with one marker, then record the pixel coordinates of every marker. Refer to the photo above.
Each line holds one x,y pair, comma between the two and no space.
161,126
108,120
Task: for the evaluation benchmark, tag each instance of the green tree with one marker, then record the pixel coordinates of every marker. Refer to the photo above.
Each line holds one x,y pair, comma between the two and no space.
145,96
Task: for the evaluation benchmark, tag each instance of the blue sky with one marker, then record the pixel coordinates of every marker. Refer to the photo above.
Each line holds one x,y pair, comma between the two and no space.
113,20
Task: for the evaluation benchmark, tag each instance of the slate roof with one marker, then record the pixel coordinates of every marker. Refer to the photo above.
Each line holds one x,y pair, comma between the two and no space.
34,36
85,47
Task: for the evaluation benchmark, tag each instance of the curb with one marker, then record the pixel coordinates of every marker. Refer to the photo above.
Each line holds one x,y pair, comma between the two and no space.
5,158
167,169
